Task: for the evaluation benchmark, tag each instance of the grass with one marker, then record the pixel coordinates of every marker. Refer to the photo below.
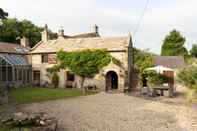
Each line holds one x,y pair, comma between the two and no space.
3,128
28,95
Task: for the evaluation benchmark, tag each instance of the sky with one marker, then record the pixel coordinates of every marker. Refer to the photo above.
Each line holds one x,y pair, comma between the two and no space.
114,18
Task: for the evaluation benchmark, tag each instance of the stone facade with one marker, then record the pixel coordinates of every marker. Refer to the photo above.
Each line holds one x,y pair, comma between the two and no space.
111,75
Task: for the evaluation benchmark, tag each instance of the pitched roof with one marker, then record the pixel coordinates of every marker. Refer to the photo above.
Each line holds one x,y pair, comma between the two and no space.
71,44
6,47
169,61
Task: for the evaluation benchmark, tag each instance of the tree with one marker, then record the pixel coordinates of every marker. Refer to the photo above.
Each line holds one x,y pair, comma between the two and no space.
173,45
8,32
12,30
193,51
142,60
85,63
3,15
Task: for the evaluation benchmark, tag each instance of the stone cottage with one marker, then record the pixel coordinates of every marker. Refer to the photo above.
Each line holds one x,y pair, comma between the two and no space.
43,56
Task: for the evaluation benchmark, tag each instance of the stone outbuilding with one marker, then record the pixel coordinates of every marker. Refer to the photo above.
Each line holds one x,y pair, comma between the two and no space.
43,56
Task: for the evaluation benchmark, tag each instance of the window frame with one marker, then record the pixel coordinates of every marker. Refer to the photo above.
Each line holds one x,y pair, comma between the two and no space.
70,76
44,58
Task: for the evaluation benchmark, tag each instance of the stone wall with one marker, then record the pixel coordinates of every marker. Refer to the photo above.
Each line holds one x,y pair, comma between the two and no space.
99,80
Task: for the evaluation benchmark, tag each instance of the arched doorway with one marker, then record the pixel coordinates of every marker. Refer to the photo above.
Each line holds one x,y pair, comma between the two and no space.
111,81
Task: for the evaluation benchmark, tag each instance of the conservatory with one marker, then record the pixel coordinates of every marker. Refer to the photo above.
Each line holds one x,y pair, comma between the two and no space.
15,70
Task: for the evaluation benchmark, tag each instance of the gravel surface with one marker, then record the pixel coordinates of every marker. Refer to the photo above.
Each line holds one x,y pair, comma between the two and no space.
117,112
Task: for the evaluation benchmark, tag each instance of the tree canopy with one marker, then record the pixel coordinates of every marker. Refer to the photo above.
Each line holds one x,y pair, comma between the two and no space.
12,30
173,45
193,51
3,14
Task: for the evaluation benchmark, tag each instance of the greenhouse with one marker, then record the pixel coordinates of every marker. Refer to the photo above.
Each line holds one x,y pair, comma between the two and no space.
15,69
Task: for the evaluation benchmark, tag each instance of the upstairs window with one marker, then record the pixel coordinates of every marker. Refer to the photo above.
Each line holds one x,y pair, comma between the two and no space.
52,59
44,58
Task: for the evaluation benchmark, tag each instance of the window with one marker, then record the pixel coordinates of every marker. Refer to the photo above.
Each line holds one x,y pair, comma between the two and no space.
52,59
36,75
70,76
44,58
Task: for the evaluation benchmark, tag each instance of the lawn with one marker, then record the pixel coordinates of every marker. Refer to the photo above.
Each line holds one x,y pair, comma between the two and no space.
28,95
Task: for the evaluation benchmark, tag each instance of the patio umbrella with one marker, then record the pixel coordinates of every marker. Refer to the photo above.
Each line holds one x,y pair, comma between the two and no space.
159,69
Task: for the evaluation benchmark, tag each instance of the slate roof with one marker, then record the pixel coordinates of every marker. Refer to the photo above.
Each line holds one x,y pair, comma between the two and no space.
72,44
169,61
6,47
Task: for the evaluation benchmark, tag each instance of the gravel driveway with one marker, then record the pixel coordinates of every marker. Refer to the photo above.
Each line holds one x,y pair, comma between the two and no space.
117,112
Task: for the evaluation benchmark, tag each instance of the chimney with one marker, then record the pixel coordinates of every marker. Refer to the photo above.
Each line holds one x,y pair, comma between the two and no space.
45,36
95,29
24,42
61,32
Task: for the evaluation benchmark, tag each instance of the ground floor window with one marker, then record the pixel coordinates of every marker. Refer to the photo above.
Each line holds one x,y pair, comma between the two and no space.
36,76
70,76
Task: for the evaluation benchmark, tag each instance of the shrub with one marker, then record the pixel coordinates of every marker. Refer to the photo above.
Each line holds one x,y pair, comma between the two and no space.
154,78
55,79
188,77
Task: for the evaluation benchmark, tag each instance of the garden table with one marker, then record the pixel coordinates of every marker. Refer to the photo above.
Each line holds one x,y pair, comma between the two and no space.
161,89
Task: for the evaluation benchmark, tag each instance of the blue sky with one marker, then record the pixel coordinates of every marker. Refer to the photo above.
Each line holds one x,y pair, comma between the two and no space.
114,18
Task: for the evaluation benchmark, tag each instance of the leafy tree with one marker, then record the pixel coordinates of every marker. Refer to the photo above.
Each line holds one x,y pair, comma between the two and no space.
173,45
85,63
142,60
193,51
8,32
3,14
12,30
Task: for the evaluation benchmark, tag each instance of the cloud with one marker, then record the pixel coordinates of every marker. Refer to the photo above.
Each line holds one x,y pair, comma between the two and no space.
113,18
159,21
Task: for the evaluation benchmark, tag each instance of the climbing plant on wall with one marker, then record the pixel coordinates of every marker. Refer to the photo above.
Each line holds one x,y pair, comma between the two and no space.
85,63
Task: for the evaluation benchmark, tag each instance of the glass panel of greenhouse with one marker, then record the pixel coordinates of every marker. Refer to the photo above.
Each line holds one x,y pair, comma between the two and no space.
15,69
